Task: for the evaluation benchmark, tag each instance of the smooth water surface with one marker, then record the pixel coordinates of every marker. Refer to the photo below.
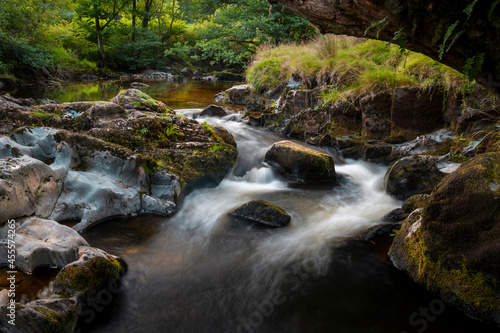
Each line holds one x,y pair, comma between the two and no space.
177,95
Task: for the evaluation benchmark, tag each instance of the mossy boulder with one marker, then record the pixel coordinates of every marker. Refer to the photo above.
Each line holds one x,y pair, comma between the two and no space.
302,163
451,245
93,272
102,112
263,213
412,175
134,99
43,316
414,202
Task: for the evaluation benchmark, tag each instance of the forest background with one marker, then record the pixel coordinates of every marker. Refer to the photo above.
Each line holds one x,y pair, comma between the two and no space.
82,36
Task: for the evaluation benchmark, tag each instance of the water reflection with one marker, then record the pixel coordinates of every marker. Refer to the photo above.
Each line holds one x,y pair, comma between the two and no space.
177,95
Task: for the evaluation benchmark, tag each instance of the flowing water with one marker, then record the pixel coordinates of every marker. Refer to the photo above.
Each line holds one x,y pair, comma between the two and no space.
200,271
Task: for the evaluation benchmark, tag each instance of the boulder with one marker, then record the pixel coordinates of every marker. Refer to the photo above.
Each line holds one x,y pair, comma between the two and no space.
417,174
451,245
213,111
417,111
473,120
304,164
139,85
137,100
27,186
88,283
41,242
102,112
263,213
43,315
87,180
237,94
94,271
294,101
376,115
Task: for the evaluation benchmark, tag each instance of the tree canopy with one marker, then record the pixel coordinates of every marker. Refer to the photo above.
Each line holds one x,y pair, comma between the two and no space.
131,35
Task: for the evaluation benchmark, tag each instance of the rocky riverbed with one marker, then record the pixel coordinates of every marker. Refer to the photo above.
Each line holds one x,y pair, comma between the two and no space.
433,146
77,164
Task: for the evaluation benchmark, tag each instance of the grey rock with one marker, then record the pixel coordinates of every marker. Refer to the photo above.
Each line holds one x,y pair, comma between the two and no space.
86,180
41,242
27,186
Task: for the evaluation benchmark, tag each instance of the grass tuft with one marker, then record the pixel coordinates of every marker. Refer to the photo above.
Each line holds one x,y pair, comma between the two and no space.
350,67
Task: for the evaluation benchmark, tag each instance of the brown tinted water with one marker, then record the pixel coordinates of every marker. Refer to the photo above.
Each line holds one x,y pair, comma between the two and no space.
177,95
28,285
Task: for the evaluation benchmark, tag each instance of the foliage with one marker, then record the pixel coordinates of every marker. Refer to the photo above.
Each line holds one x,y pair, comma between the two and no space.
76,35
350,68
230,35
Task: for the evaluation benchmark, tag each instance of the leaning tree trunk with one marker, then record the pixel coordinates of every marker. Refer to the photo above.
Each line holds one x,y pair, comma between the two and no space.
462,34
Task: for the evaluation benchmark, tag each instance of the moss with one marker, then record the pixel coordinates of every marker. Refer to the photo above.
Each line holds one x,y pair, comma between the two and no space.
93,144
208,166
58,322
475,292
414,202
263,212
93,276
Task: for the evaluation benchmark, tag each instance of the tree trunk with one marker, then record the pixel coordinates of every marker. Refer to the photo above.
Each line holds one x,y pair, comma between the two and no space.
134,8
171,22
147,9
99,39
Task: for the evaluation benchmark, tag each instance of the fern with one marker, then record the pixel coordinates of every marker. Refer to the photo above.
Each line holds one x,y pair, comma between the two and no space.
447,35
473,66
401,40
381,24
468,10
492,9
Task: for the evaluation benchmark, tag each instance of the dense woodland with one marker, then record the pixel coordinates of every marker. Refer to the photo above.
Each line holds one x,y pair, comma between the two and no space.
132,35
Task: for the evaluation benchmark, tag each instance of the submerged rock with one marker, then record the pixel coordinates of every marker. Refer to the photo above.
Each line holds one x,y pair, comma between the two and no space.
262,213
139,85
41,242
303,163
413,175
213,111
451,245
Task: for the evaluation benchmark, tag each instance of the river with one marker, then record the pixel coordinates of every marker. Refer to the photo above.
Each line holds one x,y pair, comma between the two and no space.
200,271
